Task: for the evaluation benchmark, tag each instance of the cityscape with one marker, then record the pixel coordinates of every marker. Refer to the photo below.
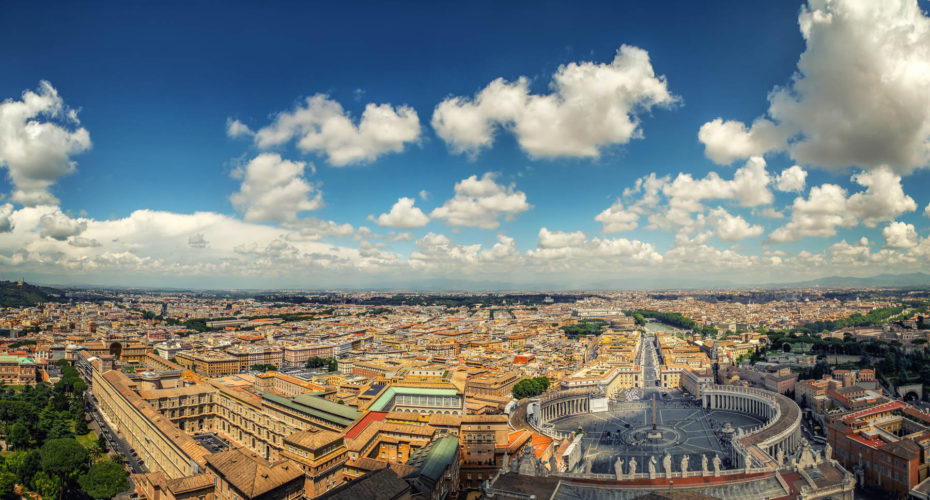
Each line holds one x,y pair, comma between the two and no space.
465,250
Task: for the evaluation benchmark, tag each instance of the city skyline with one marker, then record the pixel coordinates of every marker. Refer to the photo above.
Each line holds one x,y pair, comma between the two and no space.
546,145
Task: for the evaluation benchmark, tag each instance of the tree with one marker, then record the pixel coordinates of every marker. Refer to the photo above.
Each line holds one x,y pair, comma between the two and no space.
29,467
45,485
7,485
64,458
530,387
80,425
102,444
104,480
19,437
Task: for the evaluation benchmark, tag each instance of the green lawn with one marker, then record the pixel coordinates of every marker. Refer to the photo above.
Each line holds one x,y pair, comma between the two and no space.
88,440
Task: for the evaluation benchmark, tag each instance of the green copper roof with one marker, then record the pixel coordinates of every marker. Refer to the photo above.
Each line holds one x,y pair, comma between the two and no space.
392,391
439,456
19,359
317,407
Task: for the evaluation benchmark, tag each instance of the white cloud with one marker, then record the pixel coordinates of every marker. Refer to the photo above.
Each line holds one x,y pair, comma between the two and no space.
402,215
314,229
592,106
616,218
732,227
727,141
927,210
393,236
697,255
900,235
818,215
860,96
235,128
437,250
59,226
792,179
827,206
558,250
6,219
884,198
560,239
322,126
273,189
424,194
686,195
481,202
36,143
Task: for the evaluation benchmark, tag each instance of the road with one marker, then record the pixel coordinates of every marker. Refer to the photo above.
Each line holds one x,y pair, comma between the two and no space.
648,359
116,444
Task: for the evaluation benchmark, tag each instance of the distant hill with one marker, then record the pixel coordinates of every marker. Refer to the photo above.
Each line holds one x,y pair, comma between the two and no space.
21,294
910,280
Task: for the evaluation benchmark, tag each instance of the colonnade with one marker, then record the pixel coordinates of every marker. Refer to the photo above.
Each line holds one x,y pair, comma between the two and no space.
557,408
778,437
743,403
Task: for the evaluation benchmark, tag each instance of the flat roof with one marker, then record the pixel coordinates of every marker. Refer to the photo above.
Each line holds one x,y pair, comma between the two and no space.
319,411
392,391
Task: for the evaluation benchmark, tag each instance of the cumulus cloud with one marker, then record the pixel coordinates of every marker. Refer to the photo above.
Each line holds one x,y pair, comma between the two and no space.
791,180
6,219
732,227
884,198
818,215
314,229
273,189
860,96
727,141
900,235
322,126
402,215
616,218
591,106
559,239
927,210
437,250
38,136
561,250
59,226
686,195
481,203
235,128
827,206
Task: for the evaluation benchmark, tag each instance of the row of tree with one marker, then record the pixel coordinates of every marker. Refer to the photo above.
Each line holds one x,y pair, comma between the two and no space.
671,319
39,424
873,317
317,362
530,387
587,326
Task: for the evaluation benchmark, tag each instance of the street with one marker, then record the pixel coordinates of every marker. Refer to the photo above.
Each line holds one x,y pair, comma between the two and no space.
116,445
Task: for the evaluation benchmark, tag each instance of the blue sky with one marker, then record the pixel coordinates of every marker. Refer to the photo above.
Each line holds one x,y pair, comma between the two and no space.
155,86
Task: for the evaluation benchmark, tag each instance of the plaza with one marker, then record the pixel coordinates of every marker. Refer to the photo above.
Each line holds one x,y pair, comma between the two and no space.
682,428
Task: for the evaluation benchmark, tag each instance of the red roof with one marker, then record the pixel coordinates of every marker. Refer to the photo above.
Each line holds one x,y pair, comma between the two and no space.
372,416
894,405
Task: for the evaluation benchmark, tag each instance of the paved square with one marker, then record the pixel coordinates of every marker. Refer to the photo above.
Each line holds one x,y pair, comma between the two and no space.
685,429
